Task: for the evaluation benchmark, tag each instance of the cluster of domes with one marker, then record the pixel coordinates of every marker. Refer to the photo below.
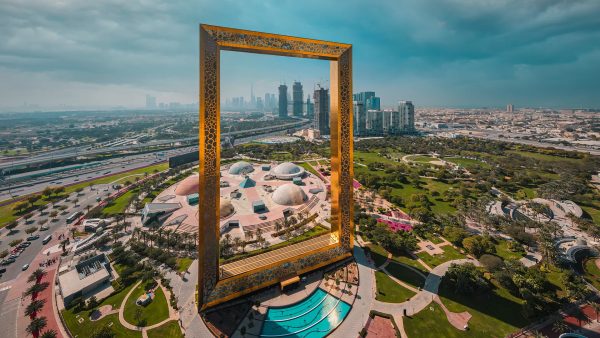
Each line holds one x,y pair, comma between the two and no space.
241,168
289,194
287,171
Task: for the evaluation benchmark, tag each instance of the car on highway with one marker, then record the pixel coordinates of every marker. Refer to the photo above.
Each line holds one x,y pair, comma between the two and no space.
33,238
25,267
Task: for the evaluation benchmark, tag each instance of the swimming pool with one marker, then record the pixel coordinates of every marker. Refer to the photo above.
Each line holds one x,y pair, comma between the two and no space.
313,317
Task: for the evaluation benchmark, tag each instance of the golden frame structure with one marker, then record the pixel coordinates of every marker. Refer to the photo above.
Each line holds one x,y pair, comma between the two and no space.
214,39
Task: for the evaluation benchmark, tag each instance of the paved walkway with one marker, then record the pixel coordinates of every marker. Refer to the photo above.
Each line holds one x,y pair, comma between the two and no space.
358,316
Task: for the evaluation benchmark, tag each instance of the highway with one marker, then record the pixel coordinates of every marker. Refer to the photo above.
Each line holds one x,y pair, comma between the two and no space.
42,179
88,150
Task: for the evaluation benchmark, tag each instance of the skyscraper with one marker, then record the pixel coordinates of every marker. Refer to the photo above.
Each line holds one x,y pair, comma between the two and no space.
360,118
297,99
309,108
150,102
252,98
510,108
407,116
368,99
321,98
283,101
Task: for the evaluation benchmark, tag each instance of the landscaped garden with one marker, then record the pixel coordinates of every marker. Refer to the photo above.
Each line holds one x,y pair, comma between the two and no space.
146,315
450,253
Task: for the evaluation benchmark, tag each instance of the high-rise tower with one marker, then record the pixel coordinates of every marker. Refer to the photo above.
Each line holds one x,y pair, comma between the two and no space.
321,98
407,116
283,102
297,96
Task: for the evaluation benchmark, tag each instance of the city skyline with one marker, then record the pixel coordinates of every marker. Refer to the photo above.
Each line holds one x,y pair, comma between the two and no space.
452,54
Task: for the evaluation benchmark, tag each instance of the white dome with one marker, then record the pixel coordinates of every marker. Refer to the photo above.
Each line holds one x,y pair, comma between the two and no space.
289,194
288,170
226,208
241,168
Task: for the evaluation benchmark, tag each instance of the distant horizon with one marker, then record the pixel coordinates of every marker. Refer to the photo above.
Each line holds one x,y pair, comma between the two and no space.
459,53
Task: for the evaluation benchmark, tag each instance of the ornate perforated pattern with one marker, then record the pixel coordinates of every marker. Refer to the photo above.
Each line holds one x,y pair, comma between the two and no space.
264,41
346,162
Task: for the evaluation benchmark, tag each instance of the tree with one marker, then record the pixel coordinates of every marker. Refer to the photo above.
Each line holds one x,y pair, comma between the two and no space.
11,226
575,286
49,334
596,307
35,289
36,325
34,307
30,230
491,263
465,278
139,315
479,245
455,234
36,275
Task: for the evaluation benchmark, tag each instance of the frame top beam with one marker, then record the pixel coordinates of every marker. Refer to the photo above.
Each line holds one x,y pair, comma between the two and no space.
241,40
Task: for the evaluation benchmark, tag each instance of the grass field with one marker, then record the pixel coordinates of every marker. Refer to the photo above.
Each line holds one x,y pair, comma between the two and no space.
498,320
467,162
308,168
153,313
406,275
7,214
450,253
431,322
183,263
389,291
592,273
169,329
120,204
505,253
86,327
422,158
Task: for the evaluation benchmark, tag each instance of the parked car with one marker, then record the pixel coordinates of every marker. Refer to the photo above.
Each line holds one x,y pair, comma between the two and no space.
25,267
33,238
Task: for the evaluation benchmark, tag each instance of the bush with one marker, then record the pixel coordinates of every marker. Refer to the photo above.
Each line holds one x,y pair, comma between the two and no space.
491,263
30,230
15,242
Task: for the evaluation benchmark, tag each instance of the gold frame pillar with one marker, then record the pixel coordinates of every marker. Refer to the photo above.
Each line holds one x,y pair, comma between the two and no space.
213,39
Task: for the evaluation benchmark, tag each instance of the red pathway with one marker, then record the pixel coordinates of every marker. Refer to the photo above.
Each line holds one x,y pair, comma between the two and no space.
20,285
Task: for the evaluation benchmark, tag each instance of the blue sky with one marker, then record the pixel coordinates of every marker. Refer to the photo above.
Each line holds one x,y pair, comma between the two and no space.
437,53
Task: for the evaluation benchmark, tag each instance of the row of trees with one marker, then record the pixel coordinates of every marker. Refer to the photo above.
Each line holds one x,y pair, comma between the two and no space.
37,324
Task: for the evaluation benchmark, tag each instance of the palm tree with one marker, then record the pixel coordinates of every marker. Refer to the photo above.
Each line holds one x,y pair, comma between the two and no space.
34,307
36,276
49,334
35,289
560,327
538,334
36,325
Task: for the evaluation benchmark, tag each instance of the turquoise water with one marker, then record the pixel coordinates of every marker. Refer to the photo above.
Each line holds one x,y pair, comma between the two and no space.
313,317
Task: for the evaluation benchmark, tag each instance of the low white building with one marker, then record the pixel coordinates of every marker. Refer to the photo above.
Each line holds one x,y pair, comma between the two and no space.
83,279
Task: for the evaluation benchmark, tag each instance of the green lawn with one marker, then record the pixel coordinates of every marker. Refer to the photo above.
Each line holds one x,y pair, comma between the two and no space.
389,291
308,168
87,326
495,313
450,253
544,157
555,277
422,158
505,253
169,329
406,260
467,162
183,263
378,254
119,205
592,273
153,313
431,322
405,274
